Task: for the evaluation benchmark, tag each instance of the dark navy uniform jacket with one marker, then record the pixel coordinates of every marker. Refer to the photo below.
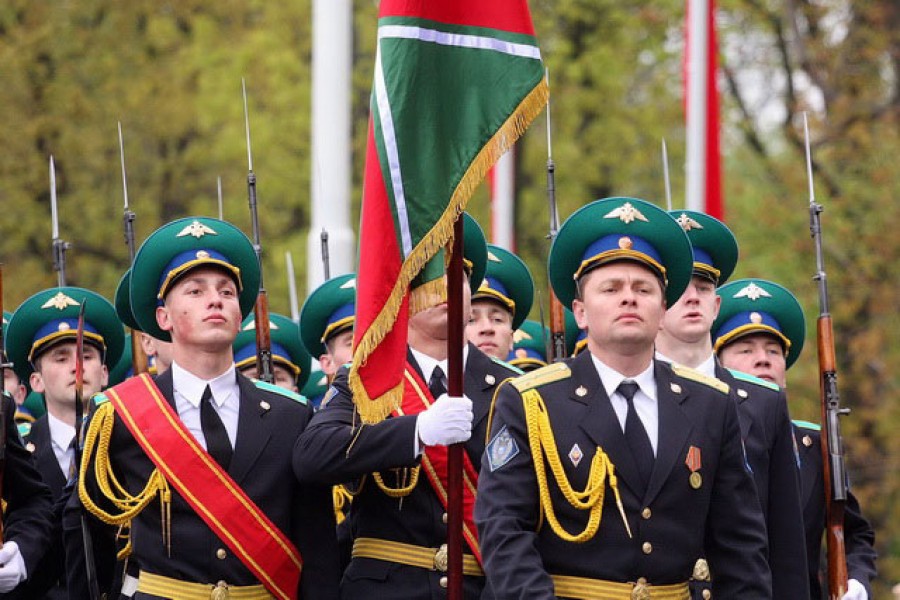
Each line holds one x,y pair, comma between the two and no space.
268,426
48,579
672,522
859,537
334,449
769,445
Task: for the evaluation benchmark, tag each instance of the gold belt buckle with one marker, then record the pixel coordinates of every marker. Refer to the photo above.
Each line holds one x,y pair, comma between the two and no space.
220,592
440,559
641,590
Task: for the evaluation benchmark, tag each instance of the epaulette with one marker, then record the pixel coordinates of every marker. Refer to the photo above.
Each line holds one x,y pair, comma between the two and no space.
99,399
543,376
503,363
740,375
693,375
807,425
24,429
275,389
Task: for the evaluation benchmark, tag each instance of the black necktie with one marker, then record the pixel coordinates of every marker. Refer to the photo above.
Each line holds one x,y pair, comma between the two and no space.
436,384
636,435
217,443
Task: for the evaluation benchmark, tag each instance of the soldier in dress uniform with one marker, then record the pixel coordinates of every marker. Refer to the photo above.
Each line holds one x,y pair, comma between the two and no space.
609,473
398,514
326,322
291,362
761,330
762,406
41,345
500,304
198,459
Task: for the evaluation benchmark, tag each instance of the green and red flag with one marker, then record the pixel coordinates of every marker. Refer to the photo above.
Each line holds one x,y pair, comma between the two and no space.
456,83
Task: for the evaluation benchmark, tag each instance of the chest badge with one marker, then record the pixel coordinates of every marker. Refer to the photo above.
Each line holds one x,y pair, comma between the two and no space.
575,455
694,464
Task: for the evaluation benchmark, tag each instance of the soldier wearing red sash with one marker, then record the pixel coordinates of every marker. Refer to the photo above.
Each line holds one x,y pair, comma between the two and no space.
398,467
198,458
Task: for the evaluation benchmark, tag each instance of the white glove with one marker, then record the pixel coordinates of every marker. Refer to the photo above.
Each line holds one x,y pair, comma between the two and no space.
447,421
12,567
855,591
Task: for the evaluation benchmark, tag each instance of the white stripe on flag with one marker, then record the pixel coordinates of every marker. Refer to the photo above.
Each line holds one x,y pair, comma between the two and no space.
390,147
459,40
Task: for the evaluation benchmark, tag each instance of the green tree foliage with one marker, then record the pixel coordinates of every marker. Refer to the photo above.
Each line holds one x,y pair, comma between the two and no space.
171,72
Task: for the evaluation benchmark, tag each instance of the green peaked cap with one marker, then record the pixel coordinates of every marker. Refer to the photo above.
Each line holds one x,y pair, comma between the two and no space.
508,282
287,349
758,306
617,229
329,310
530,346
714,246
181,246
51,316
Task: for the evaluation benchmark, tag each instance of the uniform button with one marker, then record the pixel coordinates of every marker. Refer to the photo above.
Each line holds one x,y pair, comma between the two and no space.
646,514
707,594
444,518
221,554
443,582
647,547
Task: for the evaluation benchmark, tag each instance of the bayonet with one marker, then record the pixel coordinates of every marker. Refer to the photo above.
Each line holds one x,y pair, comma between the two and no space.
665,161
59,246
221,204
292,287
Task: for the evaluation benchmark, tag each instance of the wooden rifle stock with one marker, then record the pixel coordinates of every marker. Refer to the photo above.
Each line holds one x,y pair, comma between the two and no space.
557,329
265,371
832,463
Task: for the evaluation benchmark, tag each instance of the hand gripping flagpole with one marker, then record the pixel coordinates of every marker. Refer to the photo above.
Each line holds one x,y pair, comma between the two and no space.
455,331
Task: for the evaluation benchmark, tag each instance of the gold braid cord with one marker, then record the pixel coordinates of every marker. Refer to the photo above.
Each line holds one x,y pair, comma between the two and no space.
402,491
543,444
99,434
342,498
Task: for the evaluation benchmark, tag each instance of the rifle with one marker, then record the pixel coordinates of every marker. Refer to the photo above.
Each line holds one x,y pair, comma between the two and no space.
93,586
3,416
264,369
59,246
138,356
835,475
557,312
326,263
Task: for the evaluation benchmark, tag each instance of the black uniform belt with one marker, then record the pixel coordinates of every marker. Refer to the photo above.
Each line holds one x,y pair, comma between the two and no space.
167,587
585,588
433,559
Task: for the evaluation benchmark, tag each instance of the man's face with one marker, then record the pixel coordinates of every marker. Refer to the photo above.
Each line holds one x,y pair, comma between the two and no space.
432,322
758,354
340,352
55,374
621,306
691,318
202,310
490,328
283,377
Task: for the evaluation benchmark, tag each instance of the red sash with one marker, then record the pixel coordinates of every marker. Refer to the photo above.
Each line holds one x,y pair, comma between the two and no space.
417,398
210,491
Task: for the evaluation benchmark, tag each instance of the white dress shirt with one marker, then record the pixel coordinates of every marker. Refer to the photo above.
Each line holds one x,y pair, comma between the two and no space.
61,436
645,399
226,400
707,367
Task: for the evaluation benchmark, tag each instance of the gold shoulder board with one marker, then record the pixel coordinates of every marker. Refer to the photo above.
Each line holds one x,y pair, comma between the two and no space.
543,376
693,375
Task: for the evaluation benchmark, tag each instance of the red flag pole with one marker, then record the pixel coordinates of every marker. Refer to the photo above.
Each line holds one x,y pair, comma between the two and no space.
455,333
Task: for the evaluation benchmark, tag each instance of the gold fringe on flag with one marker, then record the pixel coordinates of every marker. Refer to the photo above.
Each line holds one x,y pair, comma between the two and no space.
374,410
